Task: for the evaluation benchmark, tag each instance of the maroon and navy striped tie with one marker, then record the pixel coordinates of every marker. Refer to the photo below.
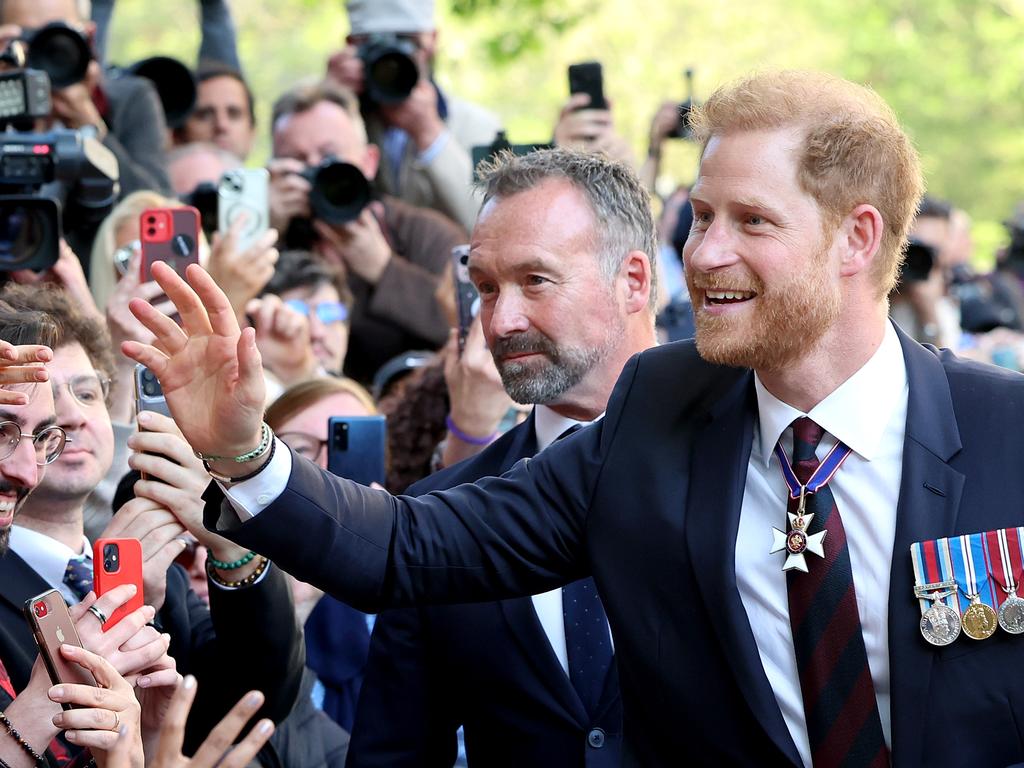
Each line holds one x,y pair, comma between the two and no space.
839,697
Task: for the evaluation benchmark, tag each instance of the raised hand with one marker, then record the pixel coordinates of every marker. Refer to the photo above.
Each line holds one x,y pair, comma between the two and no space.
21,365
210,371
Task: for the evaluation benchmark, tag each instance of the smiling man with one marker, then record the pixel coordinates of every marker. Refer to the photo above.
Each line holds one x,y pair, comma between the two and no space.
806,415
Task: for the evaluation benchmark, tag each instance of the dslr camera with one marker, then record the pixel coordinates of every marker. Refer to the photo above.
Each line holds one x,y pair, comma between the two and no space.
339,194
62,52
390,70
45,177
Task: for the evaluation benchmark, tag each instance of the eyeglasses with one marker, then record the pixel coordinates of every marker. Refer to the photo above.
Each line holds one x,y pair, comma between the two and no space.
48,442
327,312
123,256
88,389
306,445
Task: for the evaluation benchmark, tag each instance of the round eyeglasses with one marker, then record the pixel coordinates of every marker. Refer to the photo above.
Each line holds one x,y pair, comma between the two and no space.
326,312
306,445
88,389
48,442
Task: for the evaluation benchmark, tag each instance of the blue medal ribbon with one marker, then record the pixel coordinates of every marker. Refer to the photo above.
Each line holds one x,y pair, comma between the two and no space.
826,469
967,554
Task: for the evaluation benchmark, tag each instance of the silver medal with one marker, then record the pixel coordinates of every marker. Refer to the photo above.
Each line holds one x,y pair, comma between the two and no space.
1011,615
940,624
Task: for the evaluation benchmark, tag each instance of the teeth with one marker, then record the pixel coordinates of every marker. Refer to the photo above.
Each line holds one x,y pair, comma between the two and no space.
6,506
723,295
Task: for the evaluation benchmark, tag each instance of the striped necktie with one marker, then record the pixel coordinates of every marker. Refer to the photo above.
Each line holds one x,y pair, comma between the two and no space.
839,696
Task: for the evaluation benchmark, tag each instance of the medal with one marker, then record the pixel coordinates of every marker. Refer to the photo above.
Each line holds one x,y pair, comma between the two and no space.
796,541
1005,566
940,623
978,618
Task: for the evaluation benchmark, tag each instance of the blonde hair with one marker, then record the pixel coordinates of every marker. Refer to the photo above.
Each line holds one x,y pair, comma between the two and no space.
306,394
853,151
102,277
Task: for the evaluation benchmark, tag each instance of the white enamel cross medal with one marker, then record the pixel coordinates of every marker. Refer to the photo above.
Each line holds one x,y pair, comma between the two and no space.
797,542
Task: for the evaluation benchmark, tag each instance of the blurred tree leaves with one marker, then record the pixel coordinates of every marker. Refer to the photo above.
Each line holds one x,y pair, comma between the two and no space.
953,70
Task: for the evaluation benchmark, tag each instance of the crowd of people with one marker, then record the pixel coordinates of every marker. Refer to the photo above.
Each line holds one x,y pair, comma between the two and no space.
613,598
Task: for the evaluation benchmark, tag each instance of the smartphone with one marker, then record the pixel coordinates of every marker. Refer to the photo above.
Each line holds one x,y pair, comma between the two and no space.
587,78
149,395
356,448
51,624
467,300
244,192
170,235
116,562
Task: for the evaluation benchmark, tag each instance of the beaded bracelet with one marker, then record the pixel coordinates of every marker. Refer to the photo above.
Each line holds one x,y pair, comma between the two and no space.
266,438
21,740
234,564
248,580
249,475
468,439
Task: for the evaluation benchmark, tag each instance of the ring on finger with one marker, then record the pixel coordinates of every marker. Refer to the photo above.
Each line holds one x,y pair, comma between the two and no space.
97,613
117,722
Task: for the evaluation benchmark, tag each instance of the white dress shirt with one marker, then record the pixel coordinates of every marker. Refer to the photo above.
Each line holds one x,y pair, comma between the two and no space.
868,413
48,557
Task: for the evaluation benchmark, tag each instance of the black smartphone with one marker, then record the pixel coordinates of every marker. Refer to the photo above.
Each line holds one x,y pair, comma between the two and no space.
356,448
587,78
467,300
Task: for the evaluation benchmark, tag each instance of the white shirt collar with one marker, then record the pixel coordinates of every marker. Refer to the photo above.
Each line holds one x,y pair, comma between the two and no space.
548,425
46,556
856,413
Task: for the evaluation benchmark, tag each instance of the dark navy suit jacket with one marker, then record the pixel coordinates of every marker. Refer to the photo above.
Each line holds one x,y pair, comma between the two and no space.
648,500
486,666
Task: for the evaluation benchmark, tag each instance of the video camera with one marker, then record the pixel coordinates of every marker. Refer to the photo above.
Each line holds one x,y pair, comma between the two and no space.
389,67
62,52
43,174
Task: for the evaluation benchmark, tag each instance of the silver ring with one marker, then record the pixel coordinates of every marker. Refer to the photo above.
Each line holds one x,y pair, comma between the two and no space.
98,614
117,723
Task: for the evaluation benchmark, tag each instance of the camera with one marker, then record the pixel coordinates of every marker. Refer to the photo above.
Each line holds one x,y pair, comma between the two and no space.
204,199
389,67
110,558
340,191
40,609
151,384
62,52
174,83
919,261
683,130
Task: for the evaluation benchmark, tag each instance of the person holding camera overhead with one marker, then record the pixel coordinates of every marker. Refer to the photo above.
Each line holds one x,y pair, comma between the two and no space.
426,135
392,252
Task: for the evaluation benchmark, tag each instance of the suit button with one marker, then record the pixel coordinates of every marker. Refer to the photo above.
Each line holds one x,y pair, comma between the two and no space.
595,738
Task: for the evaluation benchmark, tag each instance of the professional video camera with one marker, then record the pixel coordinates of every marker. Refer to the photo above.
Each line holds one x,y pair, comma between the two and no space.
62,52
340,193
42,174
390,70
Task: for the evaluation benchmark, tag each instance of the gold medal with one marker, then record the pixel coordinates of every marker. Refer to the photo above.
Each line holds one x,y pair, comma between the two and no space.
979,620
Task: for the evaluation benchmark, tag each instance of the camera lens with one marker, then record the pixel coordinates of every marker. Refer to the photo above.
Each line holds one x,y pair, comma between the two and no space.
62,52
22,231
340,192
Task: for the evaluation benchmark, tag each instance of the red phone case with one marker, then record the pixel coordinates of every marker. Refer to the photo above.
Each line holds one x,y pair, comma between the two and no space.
170,235
126,570
47,615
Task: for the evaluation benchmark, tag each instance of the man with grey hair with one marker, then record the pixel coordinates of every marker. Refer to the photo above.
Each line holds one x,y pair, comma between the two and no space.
426,137
563,252
198,162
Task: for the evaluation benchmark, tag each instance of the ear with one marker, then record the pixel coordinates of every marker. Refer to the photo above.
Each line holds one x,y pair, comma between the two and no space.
859,237
371,161
636,276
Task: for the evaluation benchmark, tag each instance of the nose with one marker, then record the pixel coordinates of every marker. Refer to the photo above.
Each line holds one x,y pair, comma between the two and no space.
712,249
20,468
505,316
70,413
317,329
220,120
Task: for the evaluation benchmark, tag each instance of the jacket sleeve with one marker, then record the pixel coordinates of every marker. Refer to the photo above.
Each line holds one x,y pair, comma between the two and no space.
136,136
405,716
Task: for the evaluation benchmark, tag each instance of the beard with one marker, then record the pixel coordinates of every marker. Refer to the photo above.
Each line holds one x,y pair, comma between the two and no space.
788,319
5,531
558,369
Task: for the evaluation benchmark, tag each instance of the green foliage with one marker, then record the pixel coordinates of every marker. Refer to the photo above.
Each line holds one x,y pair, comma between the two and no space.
952,69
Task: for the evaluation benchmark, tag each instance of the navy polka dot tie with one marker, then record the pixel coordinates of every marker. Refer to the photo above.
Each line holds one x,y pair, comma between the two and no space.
587,641
78,576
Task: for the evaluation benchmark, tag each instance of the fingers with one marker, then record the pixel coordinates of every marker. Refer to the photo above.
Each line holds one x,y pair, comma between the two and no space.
165,677
114,599
119,755
88,695
210,307
22,374
225,732
193,310
132,662
166,331
173,732
245,751
24,353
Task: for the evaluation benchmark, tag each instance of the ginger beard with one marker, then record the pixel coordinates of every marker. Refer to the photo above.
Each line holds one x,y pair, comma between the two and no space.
784,320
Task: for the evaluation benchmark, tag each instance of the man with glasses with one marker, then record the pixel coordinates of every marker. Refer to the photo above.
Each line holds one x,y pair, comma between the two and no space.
49,548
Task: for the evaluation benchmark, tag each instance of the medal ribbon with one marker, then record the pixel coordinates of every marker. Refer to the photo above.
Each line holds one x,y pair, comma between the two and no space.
968,552
1005,561
826,469
932,565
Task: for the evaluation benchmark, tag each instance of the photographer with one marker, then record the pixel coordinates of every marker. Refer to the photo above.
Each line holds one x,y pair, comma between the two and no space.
124,111
391,252
426,135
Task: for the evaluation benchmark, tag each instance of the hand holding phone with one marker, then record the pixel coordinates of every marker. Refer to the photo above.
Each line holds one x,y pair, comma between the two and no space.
170,235
47,615
588,78
467,300
116,562
244,194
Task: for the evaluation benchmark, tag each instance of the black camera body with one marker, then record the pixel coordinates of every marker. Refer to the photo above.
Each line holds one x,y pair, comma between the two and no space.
60,51
390,71
918,263
340,191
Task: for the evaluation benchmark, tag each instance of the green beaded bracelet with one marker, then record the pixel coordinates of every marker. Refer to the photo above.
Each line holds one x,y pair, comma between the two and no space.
232,565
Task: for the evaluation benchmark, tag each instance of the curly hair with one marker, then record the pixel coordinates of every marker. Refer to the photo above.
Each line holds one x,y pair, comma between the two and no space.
415,408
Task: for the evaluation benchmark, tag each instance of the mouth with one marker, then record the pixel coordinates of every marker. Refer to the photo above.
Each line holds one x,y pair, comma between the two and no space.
727,298
7,507
515,356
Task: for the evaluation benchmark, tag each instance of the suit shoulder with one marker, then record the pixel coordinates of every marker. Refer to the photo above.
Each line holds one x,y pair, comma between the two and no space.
674,369
974,375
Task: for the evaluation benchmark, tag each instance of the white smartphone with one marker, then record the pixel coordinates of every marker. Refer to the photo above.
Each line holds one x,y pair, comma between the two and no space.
244,192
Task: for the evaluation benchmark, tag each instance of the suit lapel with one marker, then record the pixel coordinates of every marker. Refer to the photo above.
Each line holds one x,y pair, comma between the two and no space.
929,502
18,581
717,477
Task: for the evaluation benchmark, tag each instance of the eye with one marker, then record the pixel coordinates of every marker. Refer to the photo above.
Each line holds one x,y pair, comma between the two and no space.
486,289
701,220
536,280
755,220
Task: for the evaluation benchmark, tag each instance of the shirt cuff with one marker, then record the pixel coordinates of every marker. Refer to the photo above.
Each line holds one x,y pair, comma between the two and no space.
250,497
426,157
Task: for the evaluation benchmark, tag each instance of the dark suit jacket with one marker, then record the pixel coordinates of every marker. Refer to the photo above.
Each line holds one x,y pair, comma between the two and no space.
246,637
648,499
486,666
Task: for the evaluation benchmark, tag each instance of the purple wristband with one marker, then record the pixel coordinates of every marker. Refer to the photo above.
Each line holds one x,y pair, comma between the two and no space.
468,439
